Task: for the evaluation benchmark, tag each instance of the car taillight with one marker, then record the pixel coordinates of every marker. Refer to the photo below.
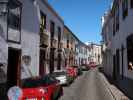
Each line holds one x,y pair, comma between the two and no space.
43,90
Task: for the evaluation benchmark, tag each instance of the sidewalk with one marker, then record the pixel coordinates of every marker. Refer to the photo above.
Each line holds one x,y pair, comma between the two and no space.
125,85
115,92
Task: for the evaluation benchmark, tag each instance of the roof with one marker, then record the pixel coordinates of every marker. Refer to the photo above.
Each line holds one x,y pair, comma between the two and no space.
71,33
80,42
52,10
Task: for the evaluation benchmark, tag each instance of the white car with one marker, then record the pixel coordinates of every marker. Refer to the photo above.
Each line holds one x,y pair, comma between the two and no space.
61,76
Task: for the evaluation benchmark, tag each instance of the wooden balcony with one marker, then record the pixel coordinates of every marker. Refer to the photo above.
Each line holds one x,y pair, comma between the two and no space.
54,43
44,38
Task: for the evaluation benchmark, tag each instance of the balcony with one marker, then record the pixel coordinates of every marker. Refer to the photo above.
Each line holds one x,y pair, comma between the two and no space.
54,43
44,38
62,44
67,51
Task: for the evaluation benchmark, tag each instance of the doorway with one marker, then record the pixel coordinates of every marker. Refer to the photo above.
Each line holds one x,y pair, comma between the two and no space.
114,67
42,62
117,63
52,58
122,60
13,70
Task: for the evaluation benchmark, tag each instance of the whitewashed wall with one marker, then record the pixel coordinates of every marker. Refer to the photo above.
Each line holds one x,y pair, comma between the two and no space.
50,16
30,38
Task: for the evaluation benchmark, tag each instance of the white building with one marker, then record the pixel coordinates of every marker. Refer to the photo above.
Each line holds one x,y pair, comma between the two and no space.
117,35
20,39
23,53
94,53
83,53
52,38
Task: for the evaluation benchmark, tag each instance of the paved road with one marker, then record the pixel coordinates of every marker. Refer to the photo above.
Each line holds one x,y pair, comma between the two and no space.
89,86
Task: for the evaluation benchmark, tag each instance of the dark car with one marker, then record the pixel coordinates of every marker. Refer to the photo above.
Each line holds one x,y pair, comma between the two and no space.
84,68
61,76
79,71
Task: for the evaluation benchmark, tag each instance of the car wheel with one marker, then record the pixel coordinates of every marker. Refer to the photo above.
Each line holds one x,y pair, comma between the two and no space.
52,98
55,96
61,92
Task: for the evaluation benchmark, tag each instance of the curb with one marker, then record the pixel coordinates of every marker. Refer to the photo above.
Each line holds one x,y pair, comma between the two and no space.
107,86
115,92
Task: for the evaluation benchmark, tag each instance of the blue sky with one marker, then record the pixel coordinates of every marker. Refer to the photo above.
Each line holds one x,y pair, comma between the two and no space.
83,17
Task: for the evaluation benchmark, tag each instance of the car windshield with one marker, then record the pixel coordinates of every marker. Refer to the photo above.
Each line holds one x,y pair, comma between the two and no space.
29,83
47,79
56,74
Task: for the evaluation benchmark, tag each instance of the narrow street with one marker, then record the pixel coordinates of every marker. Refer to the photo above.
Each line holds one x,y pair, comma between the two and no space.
45,44
89,86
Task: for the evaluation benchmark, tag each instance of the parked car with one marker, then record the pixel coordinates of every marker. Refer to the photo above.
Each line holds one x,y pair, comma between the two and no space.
92,64
72,72
46,88
84,68
61,76
79,71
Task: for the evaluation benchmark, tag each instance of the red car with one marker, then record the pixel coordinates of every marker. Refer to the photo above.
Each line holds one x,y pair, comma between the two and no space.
40,93
46,88
92,64
71,71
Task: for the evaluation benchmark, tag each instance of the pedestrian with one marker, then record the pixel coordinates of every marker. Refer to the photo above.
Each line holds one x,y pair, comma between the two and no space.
130,65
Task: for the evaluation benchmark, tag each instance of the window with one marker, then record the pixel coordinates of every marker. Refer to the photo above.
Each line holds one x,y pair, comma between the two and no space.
117,18
59,34
59,37
124,8
52,29
14,21
43,22
118,61
67,43
131,3
114,27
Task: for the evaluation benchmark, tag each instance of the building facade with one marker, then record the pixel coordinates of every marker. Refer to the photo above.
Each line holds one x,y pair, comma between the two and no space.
51,31
95,54
19,46
30,40
34,41
69,47
82,54
117,36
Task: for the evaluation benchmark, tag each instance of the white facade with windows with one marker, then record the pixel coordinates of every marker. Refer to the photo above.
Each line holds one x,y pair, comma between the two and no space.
52,16
23,33
94,53
83,54
120,22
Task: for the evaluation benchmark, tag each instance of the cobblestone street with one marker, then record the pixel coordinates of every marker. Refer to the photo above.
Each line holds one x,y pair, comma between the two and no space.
89,86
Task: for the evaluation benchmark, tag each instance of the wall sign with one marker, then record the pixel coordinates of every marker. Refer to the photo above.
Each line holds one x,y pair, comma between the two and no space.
26,59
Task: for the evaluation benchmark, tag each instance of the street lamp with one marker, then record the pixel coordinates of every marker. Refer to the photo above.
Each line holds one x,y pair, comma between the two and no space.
3,7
